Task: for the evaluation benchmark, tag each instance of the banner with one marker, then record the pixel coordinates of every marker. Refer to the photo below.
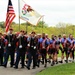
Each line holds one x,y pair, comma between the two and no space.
28,14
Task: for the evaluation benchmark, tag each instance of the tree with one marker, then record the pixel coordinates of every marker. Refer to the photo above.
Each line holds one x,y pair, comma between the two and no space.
13,23
2,24
42,24
61,27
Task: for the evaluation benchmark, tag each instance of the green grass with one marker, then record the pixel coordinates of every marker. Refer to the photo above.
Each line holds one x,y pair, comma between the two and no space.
64,69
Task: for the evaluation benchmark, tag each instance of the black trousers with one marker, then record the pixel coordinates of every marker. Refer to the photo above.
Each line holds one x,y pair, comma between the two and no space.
1,58
32,53
11,58
20,55
44,53
9,52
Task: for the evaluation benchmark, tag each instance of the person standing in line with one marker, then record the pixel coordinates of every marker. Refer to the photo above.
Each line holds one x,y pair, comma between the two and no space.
32,43
2,44
21,49
10,48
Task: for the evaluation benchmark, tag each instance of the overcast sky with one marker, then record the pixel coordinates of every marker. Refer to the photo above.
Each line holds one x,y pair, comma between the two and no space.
54,11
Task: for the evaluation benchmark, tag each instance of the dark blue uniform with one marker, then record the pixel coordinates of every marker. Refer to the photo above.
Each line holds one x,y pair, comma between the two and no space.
1,51
32,52
10,49
21,50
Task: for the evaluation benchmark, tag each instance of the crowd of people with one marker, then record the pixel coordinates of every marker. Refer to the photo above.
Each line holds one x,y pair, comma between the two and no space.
24,49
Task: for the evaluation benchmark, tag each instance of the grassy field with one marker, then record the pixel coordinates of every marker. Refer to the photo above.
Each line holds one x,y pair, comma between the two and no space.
64,69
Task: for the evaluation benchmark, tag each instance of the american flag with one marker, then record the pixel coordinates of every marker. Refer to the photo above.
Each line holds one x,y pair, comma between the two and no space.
10,16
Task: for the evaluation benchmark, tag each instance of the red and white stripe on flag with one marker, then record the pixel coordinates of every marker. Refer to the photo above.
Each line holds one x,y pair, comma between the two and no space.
10,16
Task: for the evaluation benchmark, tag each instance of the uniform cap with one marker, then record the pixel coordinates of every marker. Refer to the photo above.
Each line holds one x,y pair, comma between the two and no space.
11,29
0,33
33,32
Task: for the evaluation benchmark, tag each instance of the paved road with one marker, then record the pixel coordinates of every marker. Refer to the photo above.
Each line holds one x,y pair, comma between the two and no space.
12,71
25,71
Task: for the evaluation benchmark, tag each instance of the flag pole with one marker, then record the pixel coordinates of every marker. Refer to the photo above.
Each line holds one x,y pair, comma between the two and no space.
42,23
26,27
19,19
19,12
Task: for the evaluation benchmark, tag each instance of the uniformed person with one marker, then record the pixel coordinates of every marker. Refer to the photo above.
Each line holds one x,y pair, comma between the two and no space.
71,42
1,49
65,44
21,49
10,48
43,49
74,44
32,51
38,50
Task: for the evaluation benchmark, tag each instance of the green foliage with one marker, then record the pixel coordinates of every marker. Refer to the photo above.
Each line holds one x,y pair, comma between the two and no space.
26,24
13,23
2,24
42,24
60,28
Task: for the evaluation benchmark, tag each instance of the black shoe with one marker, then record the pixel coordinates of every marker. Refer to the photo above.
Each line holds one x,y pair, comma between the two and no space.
11,66
45,66
52,64
57,62
1,65
60,61
33,68
26,62
37,65
66,61
70,60
22,67
16,67
49,61
28,67
5,66
43,63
